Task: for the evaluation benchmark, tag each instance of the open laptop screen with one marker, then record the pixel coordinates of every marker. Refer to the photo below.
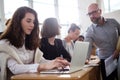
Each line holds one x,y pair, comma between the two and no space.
78,59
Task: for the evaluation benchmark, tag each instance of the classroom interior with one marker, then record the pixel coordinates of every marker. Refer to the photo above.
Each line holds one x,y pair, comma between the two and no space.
66,12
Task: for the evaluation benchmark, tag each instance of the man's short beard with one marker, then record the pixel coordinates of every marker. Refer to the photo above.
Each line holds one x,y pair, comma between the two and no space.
97,20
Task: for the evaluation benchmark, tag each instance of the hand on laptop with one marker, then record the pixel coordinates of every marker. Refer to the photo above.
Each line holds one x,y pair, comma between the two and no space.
87,61
54,64
61,62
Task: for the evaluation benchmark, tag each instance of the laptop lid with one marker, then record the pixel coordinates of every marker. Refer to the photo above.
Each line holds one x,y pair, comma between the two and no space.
78,58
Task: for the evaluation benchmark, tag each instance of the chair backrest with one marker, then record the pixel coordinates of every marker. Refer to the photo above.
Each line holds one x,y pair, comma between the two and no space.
1,33
114,14
3,70
119,68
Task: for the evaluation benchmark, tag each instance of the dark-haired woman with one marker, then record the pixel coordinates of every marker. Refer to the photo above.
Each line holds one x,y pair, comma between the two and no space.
19,46
51,46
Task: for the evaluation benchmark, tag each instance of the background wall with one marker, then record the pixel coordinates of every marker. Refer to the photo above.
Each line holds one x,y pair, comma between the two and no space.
114,14
84,19
2,18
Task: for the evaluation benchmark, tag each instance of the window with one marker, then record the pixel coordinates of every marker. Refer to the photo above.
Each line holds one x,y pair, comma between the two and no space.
60,9
11,7
68,13
111,5
44,8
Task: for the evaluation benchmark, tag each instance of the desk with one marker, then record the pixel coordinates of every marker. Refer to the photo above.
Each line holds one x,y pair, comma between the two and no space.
90,73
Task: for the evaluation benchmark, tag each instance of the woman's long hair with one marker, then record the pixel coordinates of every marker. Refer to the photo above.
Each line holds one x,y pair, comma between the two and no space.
14,32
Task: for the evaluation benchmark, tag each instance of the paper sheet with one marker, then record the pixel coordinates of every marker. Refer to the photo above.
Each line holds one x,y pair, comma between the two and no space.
110,65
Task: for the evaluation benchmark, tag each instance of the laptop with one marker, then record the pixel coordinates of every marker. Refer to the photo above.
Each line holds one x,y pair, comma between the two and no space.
77,61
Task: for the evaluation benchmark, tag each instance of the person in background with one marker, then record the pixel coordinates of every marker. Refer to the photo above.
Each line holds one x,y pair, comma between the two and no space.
19,46
80,38
73,34
103,32
51,46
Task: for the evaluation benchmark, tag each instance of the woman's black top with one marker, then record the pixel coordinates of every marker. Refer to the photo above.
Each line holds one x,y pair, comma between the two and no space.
50,52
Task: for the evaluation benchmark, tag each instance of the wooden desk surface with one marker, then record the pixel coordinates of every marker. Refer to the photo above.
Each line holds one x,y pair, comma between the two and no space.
91,73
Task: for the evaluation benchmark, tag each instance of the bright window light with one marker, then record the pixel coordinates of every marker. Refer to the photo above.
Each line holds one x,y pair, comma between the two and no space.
10,9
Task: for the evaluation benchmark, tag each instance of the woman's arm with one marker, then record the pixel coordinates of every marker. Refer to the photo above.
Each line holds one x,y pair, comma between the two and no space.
16,68
52,64
63,51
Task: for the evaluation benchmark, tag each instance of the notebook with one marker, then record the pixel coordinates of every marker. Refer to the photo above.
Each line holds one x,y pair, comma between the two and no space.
77,61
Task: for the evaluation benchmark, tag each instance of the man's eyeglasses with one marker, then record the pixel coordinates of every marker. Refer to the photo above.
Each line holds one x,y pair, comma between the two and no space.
93,12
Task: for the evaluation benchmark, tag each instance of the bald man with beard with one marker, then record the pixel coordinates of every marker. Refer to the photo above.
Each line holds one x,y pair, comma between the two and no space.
103,32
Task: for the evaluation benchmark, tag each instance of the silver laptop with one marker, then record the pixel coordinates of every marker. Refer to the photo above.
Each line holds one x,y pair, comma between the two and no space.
78,59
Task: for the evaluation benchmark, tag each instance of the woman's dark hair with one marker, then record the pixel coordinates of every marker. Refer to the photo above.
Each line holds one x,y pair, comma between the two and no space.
81,36
73,27
7,22
50,28
14,32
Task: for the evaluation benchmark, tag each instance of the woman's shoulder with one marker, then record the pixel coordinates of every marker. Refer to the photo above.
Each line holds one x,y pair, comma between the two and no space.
5,44
58,40
44,41
4,41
